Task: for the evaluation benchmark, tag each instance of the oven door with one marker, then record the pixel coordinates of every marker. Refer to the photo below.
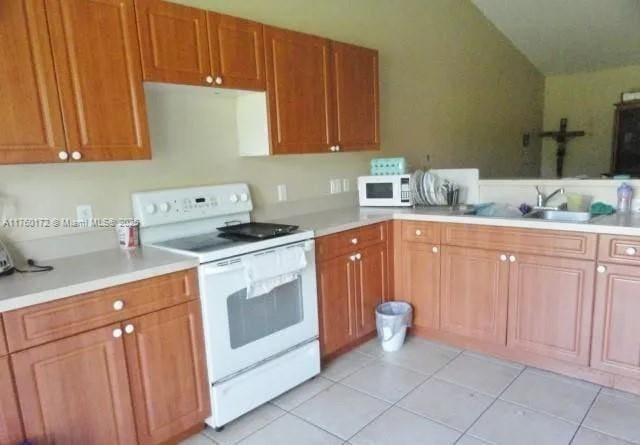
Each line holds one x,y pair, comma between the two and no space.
242,332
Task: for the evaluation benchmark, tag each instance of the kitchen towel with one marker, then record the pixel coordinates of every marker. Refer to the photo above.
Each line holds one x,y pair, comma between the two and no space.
267,270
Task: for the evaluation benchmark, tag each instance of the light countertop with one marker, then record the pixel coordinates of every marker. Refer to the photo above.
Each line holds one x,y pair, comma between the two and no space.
86,273
333,221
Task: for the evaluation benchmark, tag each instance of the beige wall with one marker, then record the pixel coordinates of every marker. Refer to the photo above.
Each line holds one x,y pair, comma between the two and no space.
586,99
451,86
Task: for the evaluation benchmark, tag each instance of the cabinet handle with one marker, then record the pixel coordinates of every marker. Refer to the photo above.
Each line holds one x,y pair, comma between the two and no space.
129,329
218,80
76,155
118,305
503,257
358,256
117,333
209,79
630,251
418,232
512,259
63,155
352,257
601,269
434,249
354,240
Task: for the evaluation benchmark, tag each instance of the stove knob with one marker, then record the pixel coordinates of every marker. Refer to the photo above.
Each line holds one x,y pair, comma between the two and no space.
150,209
233,198
164,207
244,197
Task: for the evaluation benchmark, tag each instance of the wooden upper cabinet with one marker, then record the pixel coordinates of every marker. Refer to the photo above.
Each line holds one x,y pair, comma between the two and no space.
355,73
300,92
475,285
10,424
169,383
616,331
97,62
373,286
173,42
550,307
30,119
76,391
336,292
237,52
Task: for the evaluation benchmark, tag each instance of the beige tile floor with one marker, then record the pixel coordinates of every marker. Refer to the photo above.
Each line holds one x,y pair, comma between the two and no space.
428,393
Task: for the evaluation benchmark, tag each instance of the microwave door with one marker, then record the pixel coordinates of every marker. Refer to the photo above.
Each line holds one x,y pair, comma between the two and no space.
380,190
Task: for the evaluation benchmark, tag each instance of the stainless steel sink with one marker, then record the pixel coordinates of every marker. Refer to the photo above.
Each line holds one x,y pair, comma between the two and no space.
560,216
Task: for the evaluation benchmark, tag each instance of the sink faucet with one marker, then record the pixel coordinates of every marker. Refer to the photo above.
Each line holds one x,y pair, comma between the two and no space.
542,199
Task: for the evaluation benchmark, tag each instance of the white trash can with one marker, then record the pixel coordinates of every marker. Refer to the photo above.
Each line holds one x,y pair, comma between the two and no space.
392,320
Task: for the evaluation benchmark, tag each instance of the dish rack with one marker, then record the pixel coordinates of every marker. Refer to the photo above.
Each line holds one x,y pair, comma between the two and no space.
428,189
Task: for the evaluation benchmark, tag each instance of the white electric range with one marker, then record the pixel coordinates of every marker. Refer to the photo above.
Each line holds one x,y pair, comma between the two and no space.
258,346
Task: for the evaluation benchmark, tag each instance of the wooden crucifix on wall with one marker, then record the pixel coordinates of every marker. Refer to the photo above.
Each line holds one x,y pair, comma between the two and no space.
562,137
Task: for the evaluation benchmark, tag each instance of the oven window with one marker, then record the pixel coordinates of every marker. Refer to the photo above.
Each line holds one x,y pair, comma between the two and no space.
251,319
380,190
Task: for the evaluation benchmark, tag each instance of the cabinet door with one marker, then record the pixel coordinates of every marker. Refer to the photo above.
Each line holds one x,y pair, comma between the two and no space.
169,383
237,52
373,287
475,284
420,282
337,290
30,116
173,42
97,61
299,90
10,426
76,391
616,331
356,90
550,307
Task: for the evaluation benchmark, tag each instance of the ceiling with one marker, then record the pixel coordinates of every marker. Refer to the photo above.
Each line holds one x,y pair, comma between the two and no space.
569,36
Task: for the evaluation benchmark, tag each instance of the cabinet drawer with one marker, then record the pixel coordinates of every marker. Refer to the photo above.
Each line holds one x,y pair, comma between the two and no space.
331,246
515,240
42,323
619,249
3,342
421,232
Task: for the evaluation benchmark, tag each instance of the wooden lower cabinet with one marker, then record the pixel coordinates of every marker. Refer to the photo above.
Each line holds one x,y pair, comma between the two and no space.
475,284
75,391
10,424
550,306
336,290
419,282
165,356
372,286
616,328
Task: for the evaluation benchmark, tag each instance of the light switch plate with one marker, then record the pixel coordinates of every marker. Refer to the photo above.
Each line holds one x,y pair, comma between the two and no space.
346,185
282,192
84,212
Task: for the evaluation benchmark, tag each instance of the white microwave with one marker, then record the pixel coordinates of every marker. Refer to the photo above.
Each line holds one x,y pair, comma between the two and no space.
387,191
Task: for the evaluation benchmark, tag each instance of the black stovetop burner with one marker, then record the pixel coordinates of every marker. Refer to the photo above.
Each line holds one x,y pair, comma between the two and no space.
256,231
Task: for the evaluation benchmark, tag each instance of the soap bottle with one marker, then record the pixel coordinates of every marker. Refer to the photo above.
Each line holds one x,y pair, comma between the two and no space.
625,193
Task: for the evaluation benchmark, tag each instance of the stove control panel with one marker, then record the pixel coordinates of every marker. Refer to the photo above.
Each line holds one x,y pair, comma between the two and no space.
186,204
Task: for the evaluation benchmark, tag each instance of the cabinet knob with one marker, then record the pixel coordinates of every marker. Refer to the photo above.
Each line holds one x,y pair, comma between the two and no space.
63,155
129,329
209,79
601,269
434,249
218,80
631,251
418,232
337,148
503,257
118,305
352,257
76,155
333,148
117,333
358,256
354,240
512,259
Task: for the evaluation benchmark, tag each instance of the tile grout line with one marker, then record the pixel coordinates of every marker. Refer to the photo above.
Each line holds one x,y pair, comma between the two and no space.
585,415
396,403
490,405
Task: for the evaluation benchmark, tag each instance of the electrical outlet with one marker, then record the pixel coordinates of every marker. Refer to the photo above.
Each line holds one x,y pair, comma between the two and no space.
335,186
346,185
84,213
282,192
